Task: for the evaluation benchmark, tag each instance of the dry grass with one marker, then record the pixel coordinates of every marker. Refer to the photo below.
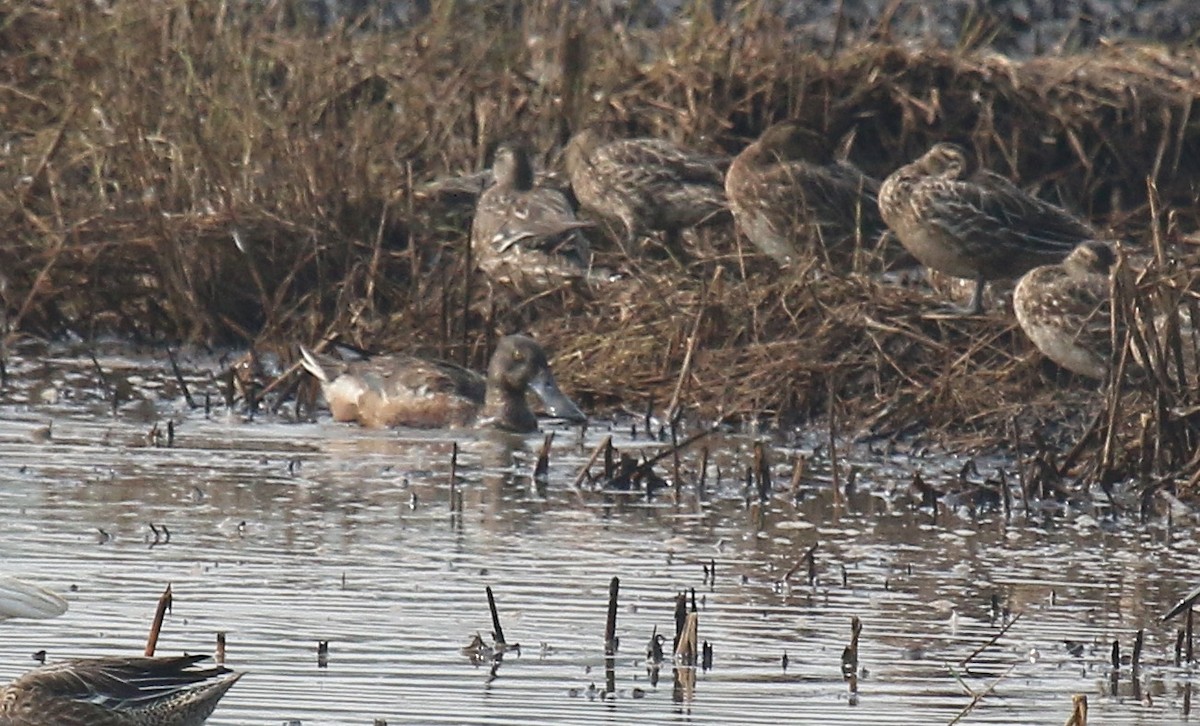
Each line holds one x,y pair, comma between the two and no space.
183,171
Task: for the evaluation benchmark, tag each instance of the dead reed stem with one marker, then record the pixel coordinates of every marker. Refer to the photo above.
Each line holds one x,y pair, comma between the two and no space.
300,203
160,612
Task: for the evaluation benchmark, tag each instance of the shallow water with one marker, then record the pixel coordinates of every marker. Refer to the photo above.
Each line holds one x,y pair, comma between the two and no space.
285,534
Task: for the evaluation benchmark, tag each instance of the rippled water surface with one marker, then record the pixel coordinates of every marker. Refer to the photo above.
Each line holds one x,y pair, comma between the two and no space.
285,534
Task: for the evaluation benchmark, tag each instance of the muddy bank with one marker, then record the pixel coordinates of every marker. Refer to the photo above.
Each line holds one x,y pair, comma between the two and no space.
180,173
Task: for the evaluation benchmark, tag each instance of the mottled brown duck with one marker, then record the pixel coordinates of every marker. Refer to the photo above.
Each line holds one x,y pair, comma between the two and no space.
648,185
406,390
133,691
980,227
789,195
524,236
1064,309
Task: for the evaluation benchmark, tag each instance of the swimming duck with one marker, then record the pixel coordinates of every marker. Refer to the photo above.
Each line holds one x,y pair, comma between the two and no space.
980,228
1064,309
21,599
786,192
526,236
646,184
404,390
134,691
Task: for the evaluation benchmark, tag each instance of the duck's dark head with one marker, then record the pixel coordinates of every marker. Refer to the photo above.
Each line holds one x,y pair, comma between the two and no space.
519,363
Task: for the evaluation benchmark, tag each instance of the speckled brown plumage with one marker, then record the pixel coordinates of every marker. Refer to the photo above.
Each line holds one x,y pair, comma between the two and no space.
981,228
788,194
646,184
1064,309
404,390
116,692
526,236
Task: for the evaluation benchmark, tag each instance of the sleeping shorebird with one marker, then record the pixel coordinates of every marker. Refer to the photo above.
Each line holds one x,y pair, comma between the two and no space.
980,228
787,193
1064,309
649,185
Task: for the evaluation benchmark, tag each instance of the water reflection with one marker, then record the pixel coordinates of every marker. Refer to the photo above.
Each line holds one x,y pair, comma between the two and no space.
285,536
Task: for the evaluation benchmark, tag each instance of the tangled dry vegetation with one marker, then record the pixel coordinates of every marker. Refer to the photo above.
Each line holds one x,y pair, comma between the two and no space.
186,171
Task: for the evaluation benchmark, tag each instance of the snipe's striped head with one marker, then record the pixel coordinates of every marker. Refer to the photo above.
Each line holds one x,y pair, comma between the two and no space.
944,160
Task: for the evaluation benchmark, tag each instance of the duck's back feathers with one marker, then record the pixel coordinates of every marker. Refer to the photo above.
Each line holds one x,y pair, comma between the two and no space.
116,692
397,390
524,235
782,203
405,390
647,184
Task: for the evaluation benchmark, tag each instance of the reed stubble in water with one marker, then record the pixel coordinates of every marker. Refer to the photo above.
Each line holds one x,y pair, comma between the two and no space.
298,203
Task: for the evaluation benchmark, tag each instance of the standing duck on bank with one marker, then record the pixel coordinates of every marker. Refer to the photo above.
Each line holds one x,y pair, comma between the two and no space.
648,185
1064,309
135,691
980,228
787,194
525,236
404,390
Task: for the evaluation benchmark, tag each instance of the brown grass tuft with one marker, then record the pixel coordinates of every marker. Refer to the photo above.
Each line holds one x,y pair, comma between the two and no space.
182,170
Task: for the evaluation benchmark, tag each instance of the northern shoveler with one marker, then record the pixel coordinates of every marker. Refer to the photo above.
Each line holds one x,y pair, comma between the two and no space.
787,193
648,185
404,390
119,691
1064,309
523,235
980,228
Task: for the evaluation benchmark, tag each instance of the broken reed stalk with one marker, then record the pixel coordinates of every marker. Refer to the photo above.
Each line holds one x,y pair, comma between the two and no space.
1020,461
603,447
1079,711
676,480
220,654
685,370
164,604
497,631
183,386
999,634
610,625
675,449
833,452
977,697
689,641
850,654
681,614
762,471
1136,662
798,475
110,393
809,559
702,481
1188,634
453,475
541,470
